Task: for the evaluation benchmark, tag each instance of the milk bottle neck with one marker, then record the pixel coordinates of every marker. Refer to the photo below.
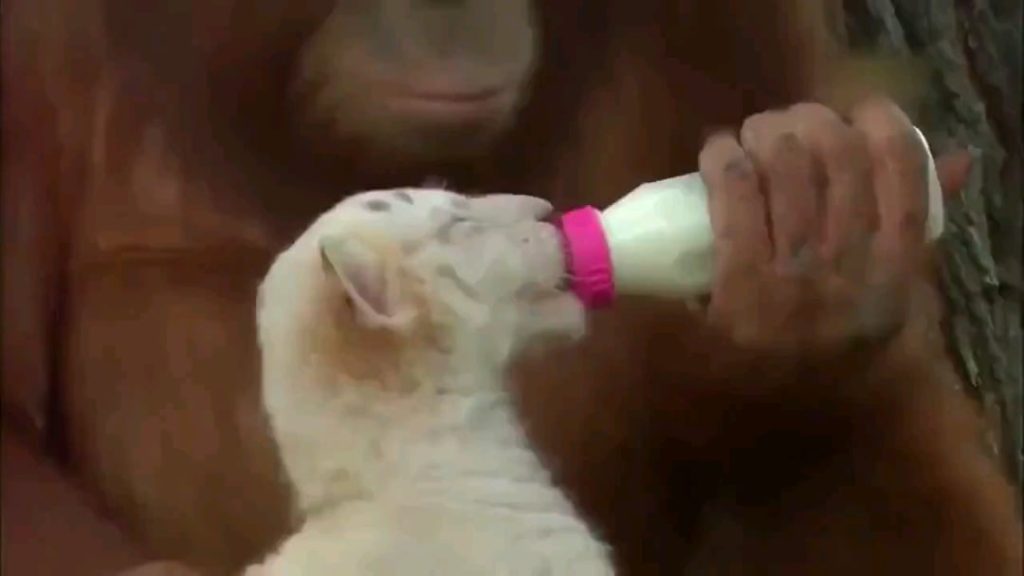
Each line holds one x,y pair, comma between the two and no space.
588,257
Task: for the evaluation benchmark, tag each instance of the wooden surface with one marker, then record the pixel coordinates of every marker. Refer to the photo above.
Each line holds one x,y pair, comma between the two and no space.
970,56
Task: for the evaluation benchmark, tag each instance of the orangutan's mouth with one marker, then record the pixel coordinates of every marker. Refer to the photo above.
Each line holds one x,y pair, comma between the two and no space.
466,105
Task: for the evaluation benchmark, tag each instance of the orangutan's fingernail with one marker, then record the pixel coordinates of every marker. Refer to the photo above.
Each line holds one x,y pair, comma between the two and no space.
803,259
880,312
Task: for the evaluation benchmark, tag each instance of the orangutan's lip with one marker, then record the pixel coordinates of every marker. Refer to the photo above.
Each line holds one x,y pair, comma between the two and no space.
451,105
456,95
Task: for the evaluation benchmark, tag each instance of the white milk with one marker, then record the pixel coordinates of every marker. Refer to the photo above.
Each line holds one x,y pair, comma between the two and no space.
658,240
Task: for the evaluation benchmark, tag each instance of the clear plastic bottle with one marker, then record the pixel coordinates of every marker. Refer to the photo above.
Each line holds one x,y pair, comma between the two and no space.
657,240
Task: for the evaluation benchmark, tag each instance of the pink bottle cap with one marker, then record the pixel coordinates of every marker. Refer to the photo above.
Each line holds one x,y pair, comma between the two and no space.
588,258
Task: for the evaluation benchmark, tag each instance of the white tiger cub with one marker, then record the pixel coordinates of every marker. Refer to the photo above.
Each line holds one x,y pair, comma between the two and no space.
385,331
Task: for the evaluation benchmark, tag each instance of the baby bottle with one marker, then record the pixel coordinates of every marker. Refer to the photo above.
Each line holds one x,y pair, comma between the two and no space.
657,240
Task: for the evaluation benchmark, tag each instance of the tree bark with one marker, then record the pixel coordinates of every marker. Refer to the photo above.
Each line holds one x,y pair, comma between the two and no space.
970,51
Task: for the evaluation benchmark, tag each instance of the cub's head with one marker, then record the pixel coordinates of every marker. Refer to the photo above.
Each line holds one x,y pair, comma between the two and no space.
431,267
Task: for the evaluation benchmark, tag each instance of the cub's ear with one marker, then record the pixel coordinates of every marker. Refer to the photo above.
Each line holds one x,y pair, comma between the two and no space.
503,209
370,281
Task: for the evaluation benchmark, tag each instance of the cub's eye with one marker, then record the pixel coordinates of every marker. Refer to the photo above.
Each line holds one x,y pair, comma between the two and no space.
458,228
447,272
404,196
377,205
444,233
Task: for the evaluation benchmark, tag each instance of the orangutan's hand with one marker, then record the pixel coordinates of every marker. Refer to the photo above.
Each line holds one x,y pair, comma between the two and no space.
819,226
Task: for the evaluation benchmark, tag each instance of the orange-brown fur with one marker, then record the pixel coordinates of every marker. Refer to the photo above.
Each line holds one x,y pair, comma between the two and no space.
141,194
761,468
